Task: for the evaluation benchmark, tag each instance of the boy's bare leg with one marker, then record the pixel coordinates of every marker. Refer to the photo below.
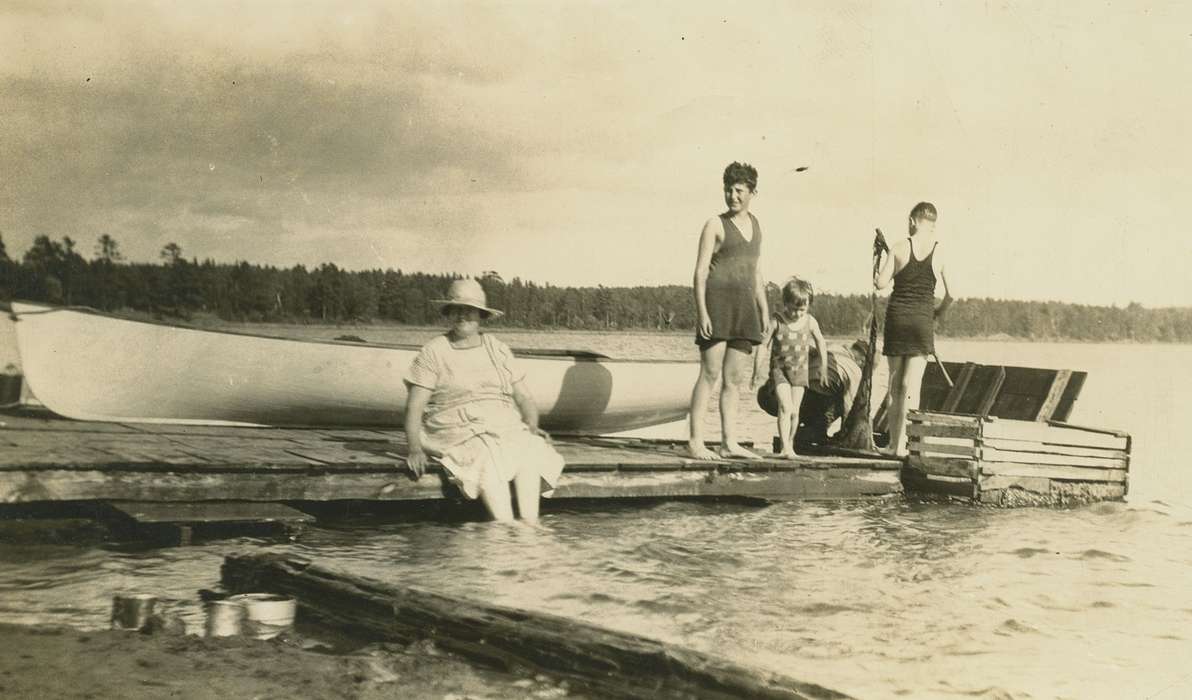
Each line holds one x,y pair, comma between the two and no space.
736,368
711,360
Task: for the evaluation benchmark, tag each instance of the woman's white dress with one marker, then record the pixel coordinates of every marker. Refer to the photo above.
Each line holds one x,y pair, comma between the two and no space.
471,419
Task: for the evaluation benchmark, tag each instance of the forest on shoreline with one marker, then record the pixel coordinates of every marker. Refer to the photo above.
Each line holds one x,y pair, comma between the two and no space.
177,288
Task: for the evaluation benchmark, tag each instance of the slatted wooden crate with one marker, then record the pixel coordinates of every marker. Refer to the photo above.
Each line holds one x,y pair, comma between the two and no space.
1013,462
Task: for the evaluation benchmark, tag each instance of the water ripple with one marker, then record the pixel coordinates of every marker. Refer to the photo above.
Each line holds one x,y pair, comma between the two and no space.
1092,554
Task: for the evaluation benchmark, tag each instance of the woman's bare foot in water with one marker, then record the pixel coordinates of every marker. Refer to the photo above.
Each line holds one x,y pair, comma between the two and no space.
732,449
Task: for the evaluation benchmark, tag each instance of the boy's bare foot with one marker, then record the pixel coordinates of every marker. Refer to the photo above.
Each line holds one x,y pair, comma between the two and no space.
697,450
732,449
787,454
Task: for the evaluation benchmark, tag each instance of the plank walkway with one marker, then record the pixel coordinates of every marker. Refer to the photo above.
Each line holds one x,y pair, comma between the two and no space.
45,458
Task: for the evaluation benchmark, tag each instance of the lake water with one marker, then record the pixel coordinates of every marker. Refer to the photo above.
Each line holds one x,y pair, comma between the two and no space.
880,600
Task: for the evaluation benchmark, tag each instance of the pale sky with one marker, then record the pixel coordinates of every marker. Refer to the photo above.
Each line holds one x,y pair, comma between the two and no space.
582,143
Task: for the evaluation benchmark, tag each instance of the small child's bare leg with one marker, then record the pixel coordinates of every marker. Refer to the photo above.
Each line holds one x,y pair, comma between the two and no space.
796,404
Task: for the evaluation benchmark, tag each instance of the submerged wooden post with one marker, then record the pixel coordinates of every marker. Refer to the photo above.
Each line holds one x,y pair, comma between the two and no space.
605,662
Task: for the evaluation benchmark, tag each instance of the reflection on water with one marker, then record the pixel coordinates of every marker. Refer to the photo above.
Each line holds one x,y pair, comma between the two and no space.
880,600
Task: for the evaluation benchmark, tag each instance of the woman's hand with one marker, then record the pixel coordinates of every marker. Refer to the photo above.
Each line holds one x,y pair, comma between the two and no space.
529,412
705,326
416,399
417,461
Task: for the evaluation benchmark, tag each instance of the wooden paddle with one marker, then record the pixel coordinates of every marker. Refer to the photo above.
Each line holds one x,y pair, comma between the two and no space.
857,431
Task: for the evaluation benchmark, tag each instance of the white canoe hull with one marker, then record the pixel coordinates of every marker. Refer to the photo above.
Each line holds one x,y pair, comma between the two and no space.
90,366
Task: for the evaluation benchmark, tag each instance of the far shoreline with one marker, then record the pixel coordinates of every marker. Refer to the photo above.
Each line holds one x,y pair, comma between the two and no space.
496,329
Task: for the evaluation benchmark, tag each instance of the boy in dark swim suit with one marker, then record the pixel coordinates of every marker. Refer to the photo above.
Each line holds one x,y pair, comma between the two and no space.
731,308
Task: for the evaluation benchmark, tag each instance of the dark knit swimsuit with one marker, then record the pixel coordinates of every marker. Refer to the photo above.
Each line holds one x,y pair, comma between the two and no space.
729,292
910,315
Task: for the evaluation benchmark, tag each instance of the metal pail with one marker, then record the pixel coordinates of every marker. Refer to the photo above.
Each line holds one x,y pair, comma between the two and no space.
267,614
131,611
224,618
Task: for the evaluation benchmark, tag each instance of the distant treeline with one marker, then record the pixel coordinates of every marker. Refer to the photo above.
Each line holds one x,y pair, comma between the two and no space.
54,271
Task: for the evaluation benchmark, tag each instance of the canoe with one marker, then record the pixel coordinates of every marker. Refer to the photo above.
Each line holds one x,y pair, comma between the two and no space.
87,365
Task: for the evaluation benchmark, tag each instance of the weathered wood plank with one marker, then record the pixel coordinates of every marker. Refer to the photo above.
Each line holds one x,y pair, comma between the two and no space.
1030,446
603,662
83,485
1053,435
917,446
211,512
1054,471
64,456
1058,384
1073,426
218,431
932,418
992,454
924,430
19,421
1068,400
994,383
916,482
353,434
339,455
1030,483
796,485
960,386
943,466
395,485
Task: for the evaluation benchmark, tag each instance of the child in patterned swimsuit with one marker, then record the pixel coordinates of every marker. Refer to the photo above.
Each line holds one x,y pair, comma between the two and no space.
789,341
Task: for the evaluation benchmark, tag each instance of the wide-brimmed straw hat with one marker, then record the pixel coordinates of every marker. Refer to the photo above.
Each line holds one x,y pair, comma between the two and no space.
467,292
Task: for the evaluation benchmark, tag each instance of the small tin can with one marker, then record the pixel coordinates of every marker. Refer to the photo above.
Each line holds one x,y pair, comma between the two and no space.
131,611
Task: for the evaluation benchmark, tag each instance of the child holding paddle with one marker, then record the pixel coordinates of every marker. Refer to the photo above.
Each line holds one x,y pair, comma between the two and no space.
789,339
912,265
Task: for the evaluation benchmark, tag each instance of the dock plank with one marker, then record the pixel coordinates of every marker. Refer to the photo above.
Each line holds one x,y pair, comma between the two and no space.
180,463
1054,471
212,512
991,454
1054,434
65,485
945,466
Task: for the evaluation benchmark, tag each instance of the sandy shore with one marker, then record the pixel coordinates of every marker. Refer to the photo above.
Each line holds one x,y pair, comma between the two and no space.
45,662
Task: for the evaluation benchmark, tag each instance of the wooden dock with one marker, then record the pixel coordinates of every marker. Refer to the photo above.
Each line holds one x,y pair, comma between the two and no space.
44,458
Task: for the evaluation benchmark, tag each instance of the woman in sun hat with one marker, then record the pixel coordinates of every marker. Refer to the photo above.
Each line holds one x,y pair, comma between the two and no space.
467,406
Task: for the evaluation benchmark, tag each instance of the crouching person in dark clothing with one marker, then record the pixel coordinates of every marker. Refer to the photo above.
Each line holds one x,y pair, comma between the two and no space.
824,403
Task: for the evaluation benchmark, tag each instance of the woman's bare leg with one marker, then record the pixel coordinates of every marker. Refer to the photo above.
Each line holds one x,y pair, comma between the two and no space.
494,493
527,487
710,361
